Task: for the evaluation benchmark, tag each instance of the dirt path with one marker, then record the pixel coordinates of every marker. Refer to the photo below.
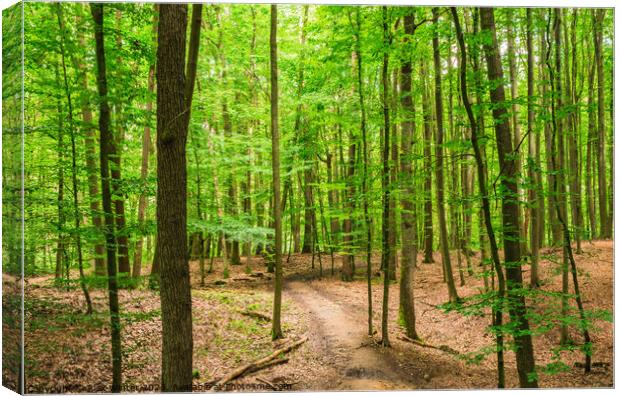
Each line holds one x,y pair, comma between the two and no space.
340,335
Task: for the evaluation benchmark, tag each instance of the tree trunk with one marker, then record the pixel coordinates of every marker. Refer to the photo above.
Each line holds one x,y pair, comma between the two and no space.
105,148
591,140
60,244
144,168
348,258
497,316
90,142
533,165
365,158
573,153
428,167
385,181
115,168
276,330
598,17
409,249
510,208
74,182
445,249
514,94
561,212
172,125
559,184
393,234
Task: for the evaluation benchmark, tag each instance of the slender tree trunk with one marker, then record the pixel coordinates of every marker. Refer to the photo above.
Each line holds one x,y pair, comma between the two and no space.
348,258
105,148
115,168
365,159
445,249
276,330
598,17
514,94
533,165
76,206
592,138
561,214
510,208
559,190
428,166
573,153
385,180
394,169
486,208
60,244
144,168
90,142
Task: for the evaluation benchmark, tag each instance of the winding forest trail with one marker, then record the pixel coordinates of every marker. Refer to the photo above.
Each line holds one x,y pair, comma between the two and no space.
338,332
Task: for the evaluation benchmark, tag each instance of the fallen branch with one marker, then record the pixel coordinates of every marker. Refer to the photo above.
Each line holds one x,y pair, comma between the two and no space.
443,348
238,372
256,315
267,365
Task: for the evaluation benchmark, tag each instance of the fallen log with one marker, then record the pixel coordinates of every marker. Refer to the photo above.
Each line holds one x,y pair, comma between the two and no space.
242,279
238,372
256,315
443,348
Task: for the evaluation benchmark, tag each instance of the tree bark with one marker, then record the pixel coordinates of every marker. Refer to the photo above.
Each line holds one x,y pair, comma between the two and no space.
598,17
510,208
276,330
115,168
409,250
385,181
90,141
590,166
428,167
559,182
573,153
172,125
105,148
486,208
533,164
561,214
445,249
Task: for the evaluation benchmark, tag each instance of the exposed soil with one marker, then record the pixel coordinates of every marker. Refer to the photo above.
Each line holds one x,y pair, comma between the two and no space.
67,351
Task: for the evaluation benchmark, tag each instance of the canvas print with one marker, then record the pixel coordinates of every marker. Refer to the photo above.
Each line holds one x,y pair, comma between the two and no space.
256,197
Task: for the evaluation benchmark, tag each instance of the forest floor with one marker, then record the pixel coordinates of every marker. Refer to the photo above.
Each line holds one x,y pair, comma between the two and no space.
67,351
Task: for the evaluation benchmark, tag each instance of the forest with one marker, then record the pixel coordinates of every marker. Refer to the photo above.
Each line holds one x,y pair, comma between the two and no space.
307,197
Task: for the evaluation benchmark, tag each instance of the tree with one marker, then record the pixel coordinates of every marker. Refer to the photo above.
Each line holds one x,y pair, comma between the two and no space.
276,329
74,183
385,181
105,148
409,249
486,208
533,159
173,111
443,231
510,208
144,167
597,19
357,56
428,165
